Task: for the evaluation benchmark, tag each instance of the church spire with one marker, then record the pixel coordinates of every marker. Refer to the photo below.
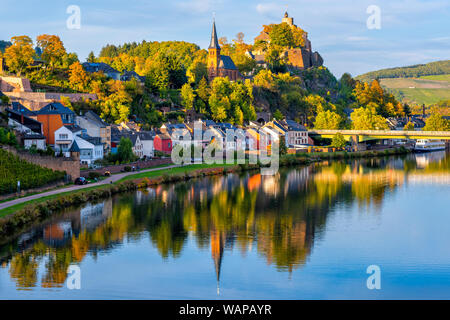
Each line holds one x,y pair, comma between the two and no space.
214,41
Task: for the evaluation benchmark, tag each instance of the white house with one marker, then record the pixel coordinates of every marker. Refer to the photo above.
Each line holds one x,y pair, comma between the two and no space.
146,139
72,139
37,140
64,138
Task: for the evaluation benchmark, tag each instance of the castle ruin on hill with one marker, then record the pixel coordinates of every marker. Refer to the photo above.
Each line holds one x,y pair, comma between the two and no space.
298,58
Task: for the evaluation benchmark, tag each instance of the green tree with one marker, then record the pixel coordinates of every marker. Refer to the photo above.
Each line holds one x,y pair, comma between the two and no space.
367,119
125,150
328,120
91,57
338,141
436,122
188,96
278,115
281,35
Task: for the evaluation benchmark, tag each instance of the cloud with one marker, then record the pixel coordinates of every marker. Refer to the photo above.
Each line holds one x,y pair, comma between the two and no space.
356,38
269,9
197,6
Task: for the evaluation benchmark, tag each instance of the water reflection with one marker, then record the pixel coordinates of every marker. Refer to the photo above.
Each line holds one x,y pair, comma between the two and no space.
281,216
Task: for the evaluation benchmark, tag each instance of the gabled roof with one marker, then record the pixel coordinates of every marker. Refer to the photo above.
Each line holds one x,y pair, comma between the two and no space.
55,108
294,126
227,63
30,123
128,75
73,128
146,135
95,118
21,109
214,44
99,66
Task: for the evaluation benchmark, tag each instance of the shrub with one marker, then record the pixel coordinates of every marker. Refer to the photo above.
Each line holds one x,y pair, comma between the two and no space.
127,168
94,175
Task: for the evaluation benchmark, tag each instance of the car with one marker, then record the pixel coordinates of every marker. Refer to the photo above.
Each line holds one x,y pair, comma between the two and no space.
107,173
81,181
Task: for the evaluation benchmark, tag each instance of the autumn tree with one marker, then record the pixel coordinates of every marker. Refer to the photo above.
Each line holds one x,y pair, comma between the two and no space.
409,126
52,49
20,54
78,77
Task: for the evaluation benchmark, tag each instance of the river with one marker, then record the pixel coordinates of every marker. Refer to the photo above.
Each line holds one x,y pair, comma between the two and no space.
306,233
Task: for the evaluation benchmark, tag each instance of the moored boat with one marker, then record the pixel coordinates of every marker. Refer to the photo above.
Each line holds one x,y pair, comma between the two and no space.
425,145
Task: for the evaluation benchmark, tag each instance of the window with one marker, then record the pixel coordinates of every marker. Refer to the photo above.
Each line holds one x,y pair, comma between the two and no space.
63,136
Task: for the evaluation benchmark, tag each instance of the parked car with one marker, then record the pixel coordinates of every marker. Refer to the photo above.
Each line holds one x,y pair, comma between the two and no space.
107,173
81,181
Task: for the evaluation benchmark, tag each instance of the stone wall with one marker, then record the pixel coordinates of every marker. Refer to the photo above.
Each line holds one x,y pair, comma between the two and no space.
119,168
70,165
37,100
14,84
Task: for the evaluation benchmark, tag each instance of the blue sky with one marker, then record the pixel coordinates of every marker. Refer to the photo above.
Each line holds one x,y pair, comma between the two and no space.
412,31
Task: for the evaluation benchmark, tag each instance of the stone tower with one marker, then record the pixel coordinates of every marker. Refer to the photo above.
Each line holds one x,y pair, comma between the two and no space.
287,19
213,54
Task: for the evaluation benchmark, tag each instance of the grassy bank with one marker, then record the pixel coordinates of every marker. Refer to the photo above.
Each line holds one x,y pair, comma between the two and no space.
21,216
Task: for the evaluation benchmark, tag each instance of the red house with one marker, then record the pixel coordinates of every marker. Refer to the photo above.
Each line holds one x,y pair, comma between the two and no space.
162,142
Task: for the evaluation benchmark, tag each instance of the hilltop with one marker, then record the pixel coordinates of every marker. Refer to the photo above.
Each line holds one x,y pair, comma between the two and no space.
418,84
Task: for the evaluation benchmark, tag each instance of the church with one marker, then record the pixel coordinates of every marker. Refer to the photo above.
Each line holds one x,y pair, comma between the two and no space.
220,65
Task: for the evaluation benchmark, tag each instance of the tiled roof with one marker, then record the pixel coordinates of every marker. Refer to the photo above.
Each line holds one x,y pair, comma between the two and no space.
98,66
73,128
94,117
227,63
21,109
55,108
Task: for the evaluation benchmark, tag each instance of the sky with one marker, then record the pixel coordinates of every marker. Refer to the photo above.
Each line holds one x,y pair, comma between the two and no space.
411,31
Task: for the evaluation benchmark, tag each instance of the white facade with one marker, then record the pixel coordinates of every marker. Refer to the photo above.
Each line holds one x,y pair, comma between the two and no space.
64,139
296,138
39,142
147,147
89,152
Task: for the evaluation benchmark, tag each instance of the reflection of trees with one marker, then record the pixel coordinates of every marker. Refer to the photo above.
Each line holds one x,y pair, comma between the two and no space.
282,215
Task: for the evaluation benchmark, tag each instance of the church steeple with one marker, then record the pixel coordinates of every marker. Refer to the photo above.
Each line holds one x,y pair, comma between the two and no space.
214,44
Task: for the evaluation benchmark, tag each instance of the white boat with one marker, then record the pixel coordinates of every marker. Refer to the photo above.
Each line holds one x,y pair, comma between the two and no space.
425,145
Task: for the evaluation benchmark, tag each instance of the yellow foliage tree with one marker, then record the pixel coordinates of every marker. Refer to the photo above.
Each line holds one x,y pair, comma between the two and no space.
20,54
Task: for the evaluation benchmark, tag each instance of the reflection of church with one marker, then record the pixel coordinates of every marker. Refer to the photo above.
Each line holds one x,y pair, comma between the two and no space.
217,246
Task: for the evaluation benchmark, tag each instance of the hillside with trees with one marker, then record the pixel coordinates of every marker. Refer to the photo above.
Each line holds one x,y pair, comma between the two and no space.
415,71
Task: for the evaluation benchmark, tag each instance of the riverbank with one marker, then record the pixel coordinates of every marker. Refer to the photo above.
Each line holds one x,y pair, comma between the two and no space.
18,217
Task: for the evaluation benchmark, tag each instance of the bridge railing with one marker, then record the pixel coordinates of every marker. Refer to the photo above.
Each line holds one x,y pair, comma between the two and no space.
382,132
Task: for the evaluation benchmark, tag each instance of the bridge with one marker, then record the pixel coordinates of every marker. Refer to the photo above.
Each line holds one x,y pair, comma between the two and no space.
366,135
359,137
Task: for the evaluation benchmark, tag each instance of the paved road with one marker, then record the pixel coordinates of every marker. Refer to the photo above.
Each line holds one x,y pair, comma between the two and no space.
113,178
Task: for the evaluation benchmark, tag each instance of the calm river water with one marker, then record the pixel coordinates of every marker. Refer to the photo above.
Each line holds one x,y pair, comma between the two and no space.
305,233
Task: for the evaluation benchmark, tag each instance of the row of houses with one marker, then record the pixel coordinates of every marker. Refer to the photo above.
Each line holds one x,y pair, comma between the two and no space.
59,127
